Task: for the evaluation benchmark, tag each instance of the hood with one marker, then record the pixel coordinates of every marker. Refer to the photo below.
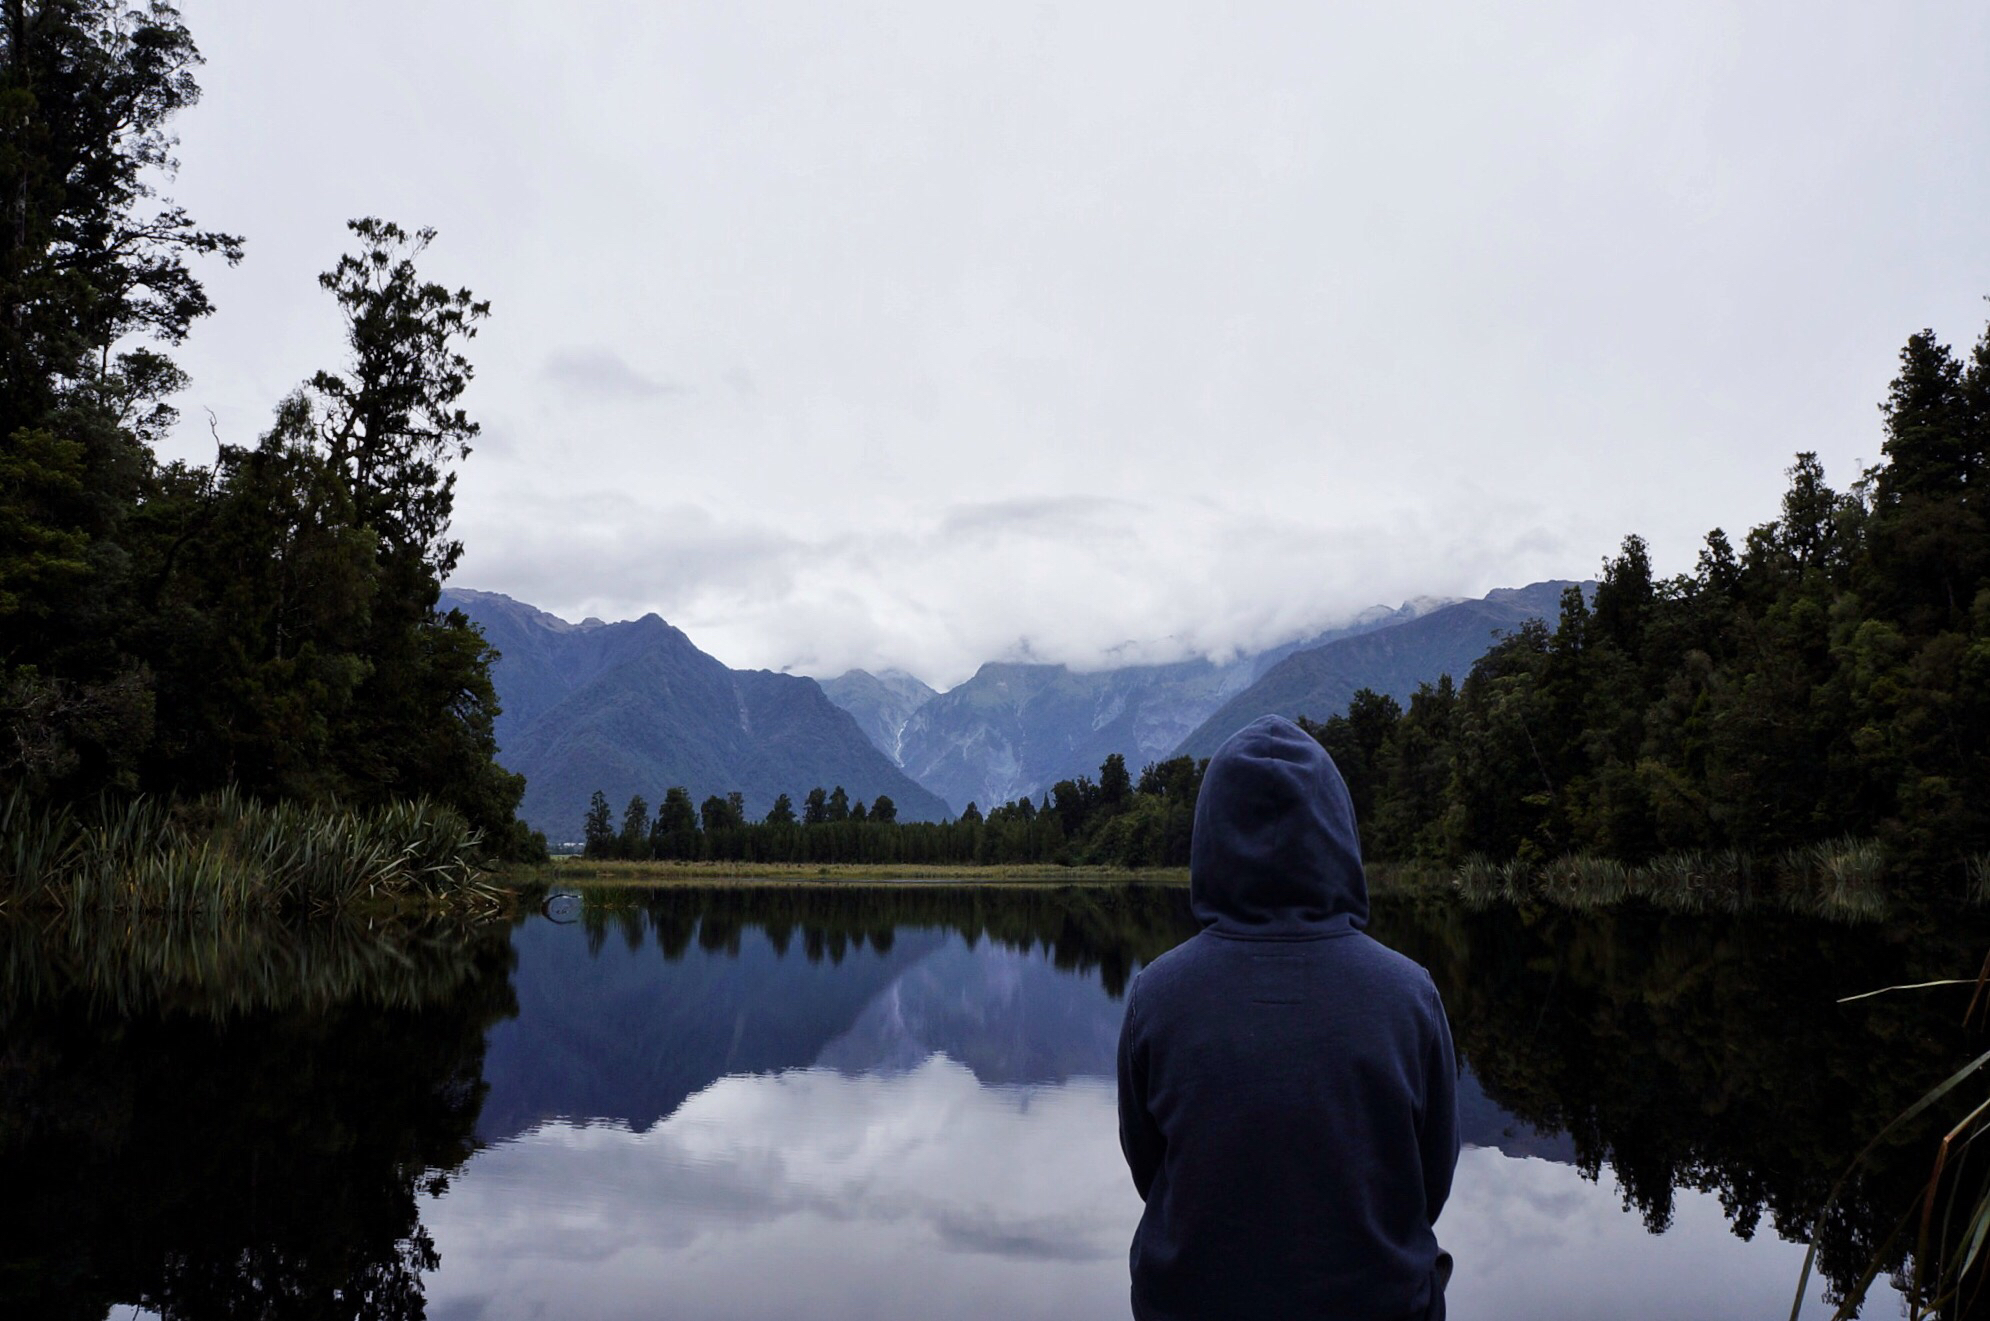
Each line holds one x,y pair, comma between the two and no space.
1275,855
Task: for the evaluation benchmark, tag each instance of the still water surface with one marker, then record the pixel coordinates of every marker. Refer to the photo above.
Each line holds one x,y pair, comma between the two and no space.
887,1103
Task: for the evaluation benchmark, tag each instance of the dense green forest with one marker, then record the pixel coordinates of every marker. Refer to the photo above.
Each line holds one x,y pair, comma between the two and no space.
1821,692
265,622
1828,679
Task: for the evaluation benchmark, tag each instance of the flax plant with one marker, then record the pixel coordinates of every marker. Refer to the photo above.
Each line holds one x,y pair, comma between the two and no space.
1951,1219
229,853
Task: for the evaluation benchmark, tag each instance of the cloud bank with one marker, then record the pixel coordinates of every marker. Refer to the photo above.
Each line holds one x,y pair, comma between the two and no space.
919,336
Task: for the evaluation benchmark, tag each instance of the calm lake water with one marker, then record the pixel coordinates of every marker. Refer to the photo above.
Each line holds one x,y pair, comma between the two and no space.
888,1102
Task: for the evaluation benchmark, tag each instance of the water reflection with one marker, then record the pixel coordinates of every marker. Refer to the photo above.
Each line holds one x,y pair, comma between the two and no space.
1709,1055
236,1144
883,1101
815,1193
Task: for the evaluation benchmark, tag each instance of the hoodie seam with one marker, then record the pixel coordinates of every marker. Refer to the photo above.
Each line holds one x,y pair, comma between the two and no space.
1288,940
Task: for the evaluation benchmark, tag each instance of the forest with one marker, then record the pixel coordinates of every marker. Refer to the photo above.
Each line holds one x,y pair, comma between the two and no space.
264,623
1828,680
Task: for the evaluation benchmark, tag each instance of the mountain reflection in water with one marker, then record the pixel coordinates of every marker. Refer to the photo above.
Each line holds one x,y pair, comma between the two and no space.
891,1101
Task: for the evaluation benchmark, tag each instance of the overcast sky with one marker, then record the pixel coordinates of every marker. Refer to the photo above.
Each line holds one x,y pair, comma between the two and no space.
927,334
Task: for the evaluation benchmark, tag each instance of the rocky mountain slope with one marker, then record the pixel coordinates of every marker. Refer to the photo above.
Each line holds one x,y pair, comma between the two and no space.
635,707
1016,729
882,704
1319,681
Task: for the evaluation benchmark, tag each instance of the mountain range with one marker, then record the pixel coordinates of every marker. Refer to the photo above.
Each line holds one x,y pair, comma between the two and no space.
635,708
1016,729
1319,681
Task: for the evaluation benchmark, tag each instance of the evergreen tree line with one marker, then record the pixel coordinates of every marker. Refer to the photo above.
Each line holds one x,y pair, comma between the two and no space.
266,621
1827,680
1115,822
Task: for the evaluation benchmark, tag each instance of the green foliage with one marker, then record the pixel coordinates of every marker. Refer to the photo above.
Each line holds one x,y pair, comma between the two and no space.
674,834
1823,696
599,831
267,622
635,828
229,853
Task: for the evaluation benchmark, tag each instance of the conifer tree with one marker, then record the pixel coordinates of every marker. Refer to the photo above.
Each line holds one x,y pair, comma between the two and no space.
633,842
599,832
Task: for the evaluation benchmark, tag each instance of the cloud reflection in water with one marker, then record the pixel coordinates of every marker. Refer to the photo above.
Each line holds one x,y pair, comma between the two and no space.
926,1194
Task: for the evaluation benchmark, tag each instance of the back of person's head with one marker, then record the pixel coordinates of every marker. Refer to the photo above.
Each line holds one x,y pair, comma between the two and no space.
1275,852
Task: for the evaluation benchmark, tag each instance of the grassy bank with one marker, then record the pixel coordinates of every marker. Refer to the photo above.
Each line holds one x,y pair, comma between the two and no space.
227,853
584,871
1844,880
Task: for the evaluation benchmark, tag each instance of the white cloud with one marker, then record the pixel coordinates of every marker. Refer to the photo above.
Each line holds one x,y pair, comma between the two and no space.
1202,320
1084,581
597,374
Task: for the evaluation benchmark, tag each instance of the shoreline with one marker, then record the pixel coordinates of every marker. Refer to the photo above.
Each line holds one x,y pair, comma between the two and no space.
581,872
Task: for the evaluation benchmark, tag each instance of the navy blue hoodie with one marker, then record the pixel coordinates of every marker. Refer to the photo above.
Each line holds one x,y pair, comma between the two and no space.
1287,1093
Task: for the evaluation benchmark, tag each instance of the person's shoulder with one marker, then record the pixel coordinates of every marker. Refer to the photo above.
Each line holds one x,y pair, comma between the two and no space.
1389,956
1171,969
1398,968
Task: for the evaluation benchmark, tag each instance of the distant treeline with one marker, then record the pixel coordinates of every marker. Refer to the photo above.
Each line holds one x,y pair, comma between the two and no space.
1114,822
265,621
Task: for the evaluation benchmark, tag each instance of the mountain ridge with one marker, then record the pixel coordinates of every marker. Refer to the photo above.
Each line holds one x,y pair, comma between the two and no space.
1017,727
635,708
1320,681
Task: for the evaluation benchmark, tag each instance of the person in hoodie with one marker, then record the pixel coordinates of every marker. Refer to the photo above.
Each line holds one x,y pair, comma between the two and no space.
1287,1091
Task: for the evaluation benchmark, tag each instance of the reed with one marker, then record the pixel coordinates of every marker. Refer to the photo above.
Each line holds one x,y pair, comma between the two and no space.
1583,881
1696,881
1478,881
1949,1223
1977,870
1839,878
1842,879
229,853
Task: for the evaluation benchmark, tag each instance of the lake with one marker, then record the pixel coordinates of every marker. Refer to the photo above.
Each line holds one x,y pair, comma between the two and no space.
893,1101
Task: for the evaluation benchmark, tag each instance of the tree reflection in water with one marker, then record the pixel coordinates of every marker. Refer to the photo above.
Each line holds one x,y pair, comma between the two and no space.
228,1120
1114,928
1709,1053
